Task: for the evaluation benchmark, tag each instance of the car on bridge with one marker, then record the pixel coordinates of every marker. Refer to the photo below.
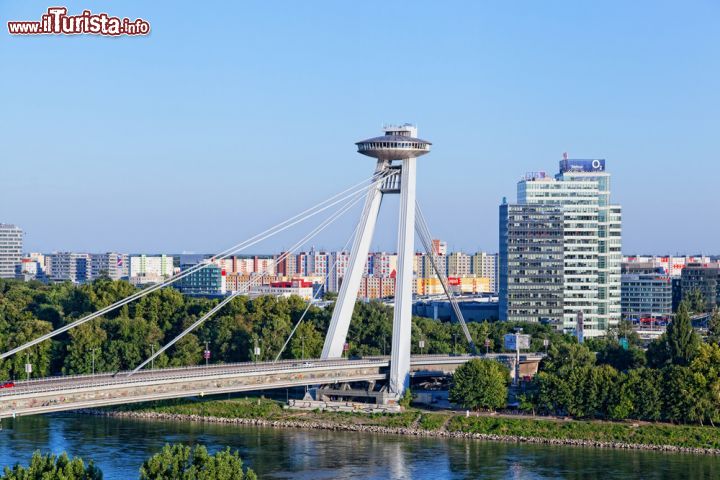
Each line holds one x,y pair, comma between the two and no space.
7,385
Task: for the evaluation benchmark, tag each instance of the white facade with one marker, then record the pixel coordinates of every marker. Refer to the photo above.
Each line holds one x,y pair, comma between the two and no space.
486,265
114,265
592,243
11,244
672,265
145,269
68,266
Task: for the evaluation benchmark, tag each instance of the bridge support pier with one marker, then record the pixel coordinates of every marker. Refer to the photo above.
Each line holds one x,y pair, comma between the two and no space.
397,145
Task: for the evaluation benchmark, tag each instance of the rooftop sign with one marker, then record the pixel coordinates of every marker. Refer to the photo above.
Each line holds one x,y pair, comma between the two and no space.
570,165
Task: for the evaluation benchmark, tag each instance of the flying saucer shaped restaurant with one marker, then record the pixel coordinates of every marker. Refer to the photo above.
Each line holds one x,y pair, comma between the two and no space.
396,144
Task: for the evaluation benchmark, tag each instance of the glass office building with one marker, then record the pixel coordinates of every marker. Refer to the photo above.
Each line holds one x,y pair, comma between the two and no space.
531,263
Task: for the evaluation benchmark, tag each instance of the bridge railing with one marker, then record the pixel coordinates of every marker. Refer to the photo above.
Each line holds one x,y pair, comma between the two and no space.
76,381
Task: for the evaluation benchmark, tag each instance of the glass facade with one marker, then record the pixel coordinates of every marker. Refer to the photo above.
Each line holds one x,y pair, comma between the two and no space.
531,263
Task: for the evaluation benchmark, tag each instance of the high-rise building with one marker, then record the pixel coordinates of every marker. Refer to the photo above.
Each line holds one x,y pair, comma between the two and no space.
486,265
150,269
114,265
532,263
68,267
459,264
11,245
591,240
439,247
337,263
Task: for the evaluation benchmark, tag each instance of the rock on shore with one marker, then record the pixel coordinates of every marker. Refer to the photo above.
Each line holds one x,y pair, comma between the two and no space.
415,432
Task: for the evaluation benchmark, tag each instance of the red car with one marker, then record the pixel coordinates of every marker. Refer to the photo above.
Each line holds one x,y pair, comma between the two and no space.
7,385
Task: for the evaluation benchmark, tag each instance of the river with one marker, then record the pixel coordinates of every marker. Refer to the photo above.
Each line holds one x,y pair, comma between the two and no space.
119,447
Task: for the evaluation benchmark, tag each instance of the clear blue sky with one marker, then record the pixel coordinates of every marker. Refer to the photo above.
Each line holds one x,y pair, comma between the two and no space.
231,116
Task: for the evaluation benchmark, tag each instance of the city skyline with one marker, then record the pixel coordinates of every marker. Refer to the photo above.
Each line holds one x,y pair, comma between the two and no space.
509,100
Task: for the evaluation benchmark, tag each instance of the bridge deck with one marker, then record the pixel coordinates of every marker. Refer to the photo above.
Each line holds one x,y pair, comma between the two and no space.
88,391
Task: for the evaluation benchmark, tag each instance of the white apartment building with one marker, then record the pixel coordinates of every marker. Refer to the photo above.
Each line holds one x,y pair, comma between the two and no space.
592,240
150,269
114,265
68,267
337,265
11,245
459,264
486,265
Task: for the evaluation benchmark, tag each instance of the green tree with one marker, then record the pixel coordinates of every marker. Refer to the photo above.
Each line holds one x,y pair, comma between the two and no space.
307,342
680,391
695,301
643,387
566,357
180,462
714,327
480,383
51,467
681,338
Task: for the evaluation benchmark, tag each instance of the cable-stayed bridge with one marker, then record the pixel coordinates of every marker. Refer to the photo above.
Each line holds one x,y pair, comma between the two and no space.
57,394
396,153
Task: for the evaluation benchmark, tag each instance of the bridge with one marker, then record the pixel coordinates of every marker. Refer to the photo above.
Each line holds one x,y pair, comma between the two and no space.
56,394
396,153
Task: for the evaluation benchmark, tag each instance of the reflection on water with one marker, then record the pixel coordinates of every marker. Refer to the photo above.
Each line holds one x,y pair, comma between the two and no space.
119,446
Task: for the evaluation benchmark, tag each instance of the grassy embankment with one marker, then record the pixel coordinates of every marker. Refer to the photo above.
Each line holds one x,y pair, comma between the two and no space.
621,432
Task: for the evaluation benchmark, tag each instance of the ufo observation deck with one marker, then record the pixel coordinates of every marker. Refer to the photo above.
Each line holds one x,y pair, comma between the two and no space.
395,145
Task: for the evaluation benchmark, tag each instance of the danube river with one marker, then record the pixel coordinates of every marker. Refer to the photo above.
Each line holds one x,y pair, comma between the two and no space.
119,446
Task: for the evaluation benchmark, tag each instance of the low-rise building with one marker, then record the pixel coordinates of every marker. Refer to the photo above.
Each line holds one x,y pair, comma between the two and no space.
207,281
298,287
704,277
646,291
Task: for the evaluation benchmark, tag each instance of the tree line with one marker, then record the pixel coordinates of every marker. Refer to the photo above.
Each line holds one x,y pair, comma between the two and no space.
174,462
676,379
124,338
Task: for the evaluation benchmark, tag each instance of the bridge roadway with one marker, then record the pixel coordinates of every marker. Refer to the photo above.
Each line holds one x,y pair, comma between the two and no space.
54,394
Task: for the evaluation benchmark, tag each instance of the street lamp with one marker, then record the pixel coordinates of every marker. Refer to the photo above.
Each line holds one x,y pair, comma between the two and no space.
455,343
302,347
92,353
152,356
28,366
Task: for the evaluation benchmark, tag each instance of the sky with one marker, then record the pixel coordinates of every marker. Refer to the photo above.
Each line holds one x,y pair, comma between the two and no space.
233,116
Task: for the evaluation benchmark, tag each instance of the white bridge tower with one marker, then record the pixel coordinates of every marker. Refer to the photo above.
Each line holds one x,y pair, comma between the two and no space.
396,154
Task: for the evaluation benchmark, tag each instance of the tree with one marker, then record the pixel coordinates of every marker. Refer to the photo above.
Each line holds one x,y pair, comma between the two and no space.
307,342
714,327
51,467
180,462
643,387
567,356
695,301
680,393
681,338
480,383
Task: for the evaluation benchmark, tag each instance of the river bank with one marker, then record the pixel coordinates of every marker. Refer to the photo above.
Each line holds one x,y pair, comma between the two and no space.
420,423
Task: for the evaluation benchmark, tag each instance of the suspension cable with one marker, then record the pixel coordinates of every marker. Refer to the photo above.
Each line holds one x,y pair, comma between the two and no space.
426,238
306,214
252,281
314,297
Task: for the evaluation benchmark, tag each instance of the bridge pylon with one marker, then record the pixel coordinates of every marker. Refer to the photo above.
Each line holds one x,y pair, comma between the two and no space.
396,153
